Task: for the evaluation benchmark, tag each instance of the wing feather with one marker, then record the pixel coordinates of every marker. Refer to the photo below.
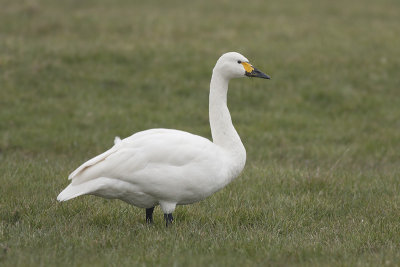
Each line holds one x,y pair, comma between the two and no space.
147,153
92,162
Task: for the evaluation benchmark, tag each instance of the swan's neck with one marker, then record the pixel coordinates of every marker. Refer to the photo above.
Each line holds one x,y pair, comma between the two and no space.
222,130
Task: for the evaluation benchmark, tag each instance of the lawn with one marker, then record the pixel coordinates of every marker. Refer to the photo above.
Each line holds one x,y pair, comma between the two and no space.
321,184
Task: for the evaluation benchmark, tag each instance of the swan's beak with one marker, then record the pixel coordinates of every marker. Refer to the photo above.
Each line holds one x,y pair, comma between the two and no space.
253,72
257,73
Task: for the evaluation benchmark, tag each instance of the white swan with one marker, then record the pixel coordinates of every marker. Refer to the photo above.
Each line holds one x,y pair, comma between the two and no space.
169,167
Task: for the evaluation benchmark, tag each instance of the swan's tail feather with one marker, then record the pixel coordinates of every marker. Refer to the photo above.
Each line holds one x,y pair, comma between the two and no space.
93,187
73,191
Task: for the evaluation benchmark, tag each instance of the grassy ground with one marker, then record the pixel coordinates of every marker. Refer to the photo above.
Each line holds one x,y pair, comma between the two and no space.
321,185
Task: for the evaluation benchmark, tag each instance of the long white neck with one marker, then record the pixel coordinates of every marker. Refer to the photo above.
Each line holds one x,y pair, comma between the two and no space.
222,130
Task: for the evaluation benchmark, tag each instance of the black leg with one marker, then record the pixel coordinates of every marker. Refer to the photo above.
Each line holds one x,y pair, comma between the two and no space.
149,215
168,219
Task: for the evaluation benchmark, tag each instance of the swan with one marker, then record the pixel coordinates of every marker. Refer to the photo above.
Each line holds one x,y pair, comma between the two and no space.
169,167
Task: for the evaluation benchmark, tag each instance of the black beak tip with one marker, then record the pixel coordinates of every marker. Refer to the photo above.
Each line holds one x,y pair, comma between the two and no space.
258,74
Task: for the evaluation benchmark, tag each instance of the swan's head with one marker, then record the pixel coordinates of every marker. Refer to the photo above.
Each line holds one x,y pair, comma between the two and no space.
234,65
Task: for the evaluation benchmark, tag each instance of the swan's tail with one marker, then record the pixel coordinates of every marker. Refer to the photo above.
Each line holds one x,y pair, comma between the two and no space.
73,191
94,187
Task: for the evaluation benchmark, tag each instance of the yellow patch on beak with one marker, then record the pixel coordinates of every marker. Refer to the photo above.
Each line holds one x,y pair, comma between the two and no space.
248,67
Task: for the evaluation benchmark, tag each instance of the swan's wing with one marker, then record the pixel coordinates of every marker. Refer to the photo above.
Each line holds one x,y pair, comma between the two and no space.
92,162
117,146
117,140
152,153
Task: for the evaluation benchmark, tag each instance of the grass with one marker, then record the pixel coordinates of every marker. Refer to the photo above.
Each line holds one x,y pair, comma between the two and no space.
321,185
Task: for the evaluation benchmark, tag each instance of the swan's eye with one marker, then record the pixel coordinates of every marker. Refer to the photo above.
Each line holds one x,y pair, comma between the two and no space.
239,61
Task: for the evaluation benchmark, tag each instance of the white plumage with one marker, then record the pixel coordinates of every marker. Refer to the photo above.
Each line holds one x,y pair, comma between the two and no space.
170,167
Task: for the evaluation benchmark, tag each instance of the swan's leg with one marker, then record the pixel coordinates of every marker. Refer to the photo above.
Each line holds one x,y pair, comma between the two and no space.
168,219
149,215
168,208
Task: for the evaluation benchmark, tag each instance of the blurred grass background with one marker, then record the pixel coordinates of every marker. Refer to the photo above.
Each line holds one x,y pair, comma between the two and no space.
321,185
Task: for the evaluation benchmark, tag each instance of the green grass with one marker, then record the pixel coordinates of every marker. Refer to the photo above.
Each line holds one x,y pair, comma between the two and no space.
322,180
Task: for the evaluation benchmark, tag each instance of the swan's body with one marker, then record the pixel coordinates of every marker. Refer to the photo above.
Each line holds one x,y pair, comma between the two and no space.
156,166
170,167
